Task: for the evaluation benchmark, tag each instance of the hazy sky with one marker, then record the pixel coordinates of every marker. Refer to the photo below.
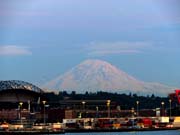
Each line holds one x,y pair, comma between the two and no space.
40,39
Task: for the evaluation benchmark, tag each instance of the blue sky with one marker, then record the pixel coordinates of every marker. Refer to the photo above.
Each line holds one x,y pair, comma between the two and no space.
40,39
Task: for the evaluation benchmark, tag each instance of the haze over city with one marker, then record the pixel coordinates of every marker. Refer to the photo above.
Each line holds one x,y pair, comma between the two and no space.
40,40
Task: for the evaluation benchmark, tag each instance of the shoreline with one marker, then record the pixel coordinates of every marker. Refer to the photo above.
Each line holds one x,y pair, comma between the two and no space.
118,130
30,132
85,131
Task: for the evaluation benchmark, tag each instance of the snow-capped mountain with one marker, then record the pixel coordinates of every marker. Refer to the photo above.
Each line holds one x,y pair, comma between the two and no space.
98,75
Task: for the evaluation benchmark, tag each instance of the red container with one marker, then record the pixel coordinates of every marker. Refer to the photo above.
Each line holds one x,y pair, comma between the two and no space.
147,122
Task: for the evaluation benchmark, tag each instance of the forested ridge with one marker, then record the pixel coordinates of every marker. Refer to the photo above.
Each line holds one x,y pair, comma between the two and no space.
126,101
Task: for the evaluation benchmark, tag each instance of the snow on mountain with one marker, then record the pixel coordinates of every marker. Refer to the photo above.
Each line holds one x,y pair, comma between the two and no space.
96,75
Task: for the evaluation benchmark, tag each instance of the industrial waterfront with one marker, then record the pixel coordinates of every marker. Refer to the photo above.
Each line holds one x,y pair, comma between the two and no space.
25,108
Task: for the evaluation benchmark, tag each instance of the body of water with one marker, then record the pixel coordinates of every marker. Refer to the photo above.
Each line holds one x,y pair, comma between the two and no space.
171,132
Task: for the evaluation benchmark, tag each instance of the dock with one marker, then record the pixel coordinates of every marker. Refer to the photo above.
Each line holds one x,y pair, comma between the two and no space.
30,132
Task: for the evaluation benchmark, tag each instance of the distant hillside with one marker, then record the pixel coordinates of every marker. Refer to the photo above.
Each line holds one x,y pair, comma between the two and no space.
96,75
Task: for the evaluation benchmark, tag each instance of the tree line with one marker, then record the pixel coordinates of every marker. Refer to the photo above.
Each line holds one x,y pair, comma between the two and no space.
125,101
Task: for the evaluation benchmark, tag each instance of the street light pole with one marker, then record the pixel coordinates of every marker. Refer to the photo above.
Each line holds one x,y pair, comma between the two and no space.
44,102
162,103
108,107
20,105
137,103
170,107
132,111
83,111
97,111
29,106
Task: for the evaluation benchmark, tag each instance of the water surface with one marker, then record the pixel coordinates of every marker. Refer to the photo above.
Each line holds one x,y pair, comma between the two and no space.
170,132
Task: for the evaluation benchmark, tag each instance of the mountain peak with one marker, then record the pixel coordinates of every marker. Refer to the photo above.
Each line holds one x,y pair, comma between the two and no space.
95,62
95,75
97,65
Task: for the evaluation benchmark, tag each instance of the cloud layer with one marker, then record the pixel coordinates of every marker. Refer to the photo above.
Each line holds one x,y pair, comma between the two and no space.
109,48
12,50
